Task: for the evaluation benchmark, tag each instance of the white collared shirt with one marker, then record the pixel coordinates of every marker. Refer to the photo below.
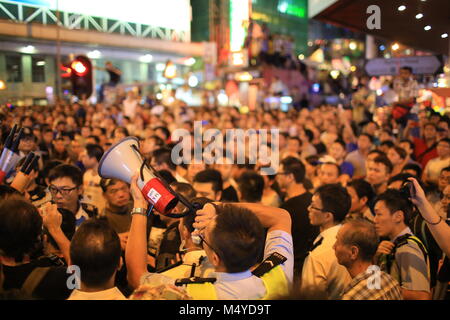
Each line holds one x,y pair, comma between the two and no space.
109,294
322,274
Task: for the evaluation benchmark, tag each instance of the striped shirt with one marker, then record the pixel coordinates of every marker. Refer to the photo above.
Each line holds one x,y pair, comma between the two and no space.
373,284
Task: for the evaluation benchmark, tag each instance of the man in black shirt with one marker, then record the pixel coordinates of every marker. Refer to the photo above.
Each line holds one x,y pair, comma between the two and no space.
23,266
296,203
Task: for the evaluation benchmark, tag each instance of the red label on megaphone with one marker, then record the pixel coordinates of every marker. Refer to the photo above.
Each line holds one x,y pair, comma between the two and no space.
157,194
2,176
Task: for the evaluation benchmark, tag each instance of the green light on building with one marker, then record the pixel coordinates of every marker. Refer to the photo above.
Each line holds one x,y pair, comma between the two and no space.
291,9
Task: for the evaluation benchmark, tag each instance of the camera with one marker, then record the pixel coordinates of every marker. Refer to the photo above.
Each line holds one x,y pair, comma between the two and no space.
408,189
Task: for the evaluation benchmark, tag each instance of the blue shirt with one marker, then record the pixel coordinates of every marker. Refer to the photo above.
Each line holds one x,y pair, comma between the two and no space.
347,168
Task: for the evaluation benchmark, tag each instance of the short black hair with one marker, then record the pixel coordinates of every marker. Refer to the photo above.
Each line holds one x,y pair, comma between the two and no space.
335,199
387,143
403,177
342,143
309,134
295,167
369,136
407,68
165,131
237,238
379,152
95,248
164,155
411,144
66,171
362,189
96,139
334,164
413,166
385,161
105,183
446,169
94,151
400,151
362,234
251,186
20,229
167,176
297,139
210,176
6,192
446,140
395,200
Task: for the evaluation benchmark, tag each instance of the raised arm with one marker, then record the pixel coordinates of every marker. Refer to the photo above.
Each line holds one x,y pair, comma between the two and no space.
136,251
439,229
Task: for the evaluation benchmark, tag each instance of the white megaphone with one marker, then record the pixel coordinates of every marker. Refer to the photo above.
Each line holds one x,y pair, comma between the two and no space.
122,161
10,153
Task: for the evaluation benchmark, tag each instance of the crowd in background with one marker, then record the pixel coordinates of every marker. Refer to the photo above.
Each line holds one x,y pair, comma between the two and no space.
356,188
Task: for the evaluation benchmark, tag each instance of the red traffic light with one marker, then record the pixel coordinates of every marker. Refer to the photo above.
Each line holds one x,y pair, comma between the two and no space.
78,67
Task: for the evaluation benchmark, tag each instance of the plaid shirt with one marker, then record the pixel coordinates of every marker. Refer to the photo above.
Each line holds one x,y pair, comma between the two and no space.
359,288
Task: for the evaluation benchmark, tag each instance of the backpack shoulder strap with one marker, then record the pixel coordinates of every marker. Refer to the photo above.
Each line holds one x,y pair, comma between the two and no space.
34,279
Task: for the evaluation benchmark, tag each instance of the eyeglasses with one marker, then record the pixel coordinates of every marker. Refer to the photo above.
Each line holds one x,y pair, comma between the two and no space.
64,191
321,210
203,241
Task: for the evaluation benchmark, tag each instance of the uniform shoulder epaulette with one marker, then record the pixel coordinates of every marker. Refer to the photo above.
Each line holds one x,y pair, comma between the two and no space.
90,209
275,259
194,280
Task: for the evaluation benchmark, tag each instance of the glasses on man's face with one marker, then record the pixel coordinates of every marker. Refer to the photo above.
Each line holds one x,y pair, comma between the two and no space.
317,209
64,190
203,241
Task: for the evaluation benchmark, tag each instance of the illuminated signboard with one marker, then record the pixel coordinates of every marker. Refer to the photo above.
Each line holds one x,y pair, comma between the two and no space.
239,16
292,9
169,14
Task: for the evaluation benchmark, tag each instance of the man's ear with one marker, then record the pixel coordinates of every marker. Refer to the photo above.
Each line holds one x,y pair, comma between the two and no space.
215,260
363,200
354,251
120,264
218,195
399,216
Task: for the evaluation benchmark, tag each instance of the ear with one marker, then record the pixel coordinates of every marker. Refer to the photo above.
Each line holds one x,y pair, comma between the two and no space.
354,251
218,195
215,260
363,200
399,216
120,264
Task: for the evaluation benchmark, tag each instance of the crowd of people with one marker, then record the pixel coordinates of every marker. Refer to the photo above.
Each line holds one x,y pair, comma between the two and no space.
356,210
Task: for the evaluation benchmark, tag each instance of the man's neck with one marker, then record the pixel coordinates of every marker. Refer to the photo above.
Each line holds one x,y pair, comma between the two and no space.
106,286
74,208
294,190
358,267
327,226
397,230
11,262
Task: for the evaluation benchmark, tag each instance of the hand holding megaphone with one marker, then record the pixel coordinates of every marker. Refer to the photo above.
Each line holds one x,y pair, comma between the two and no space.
123,160
10,155
22,179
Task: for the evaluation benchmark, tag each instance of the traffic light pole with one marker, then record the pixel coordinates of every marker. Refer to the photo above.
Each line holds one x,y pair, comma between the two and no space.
58,53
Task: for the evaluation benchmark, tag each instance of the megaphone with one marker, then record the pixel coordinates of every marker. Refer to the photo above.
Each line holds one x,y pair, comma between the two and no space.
122,161
10,155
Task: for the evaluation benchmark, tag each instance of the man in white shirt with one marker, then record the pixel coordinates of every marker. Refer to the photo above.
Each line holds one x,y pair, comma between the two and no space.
322,275
95,249
93,193
233,237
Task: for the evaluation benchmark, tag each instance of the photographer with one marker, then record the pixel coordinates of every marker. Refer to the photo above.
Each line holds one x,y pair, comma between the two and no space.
403,256
436,224
233,238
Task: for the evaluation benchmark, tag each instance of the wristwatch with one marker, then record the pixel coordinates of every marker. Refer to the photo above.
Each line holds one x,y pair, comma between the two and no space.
141,211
